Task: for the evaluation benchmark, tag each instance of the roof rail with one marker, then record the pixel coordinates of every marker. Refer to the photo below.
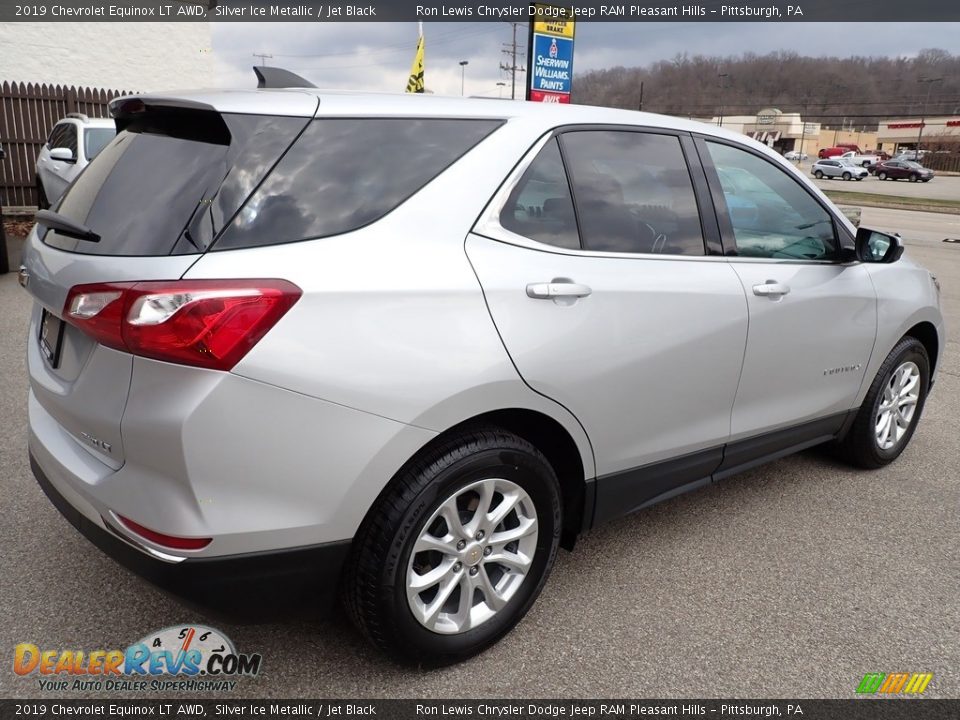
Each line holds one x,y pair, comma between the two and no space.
274,77
78,116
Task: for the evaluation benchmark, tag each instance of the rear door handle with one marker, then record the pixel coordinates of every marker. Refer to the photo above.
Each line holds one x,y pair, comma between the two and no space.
771,289
550,290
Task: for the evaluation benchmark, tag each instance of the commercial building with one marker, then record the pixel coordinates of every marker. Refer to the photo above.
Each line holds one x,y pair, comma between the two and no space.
779,130
903,133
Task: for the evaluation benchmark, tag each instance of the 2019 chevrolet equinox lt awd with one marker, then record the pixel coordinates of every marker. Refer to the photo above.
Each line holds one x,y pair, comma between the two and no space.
413,345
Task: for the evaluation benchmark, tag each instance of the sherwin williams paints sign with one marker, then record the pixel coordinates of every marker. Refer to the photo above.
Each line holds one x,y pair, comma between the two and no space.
550,66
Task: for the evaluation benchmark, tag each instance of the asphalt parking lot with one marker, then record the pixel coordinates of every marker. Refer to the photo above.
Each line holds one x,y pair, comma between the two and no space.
942,187
792,580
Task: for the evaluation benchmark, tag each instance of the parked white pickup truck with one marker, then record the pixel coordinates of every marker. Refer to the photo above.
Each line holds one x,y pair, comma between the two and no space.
861,160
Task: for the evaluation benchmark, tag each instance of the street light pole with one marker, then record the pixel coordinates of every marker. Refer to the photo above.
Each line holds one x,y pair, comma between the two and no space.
500,86
463,74
923,115
721,76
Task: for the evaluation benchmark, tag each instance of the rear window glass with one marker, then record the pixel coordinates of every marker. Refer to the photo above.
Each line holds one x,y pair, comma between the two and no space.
171,180
342,174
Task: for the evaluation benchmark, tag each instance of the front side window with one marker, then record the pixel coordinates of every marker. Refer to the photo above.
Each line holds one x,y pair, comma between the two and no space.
55,135
633,192
540,207
65,138
772,215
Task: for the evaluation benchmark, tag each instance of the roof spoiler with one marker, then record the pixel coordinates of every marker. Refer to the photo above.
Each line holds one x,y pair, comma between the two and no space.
274,77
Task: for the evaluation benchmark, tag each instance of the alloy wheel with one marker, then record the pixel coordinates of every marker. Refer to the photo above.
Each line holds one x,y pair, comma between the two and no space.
471,556
898,404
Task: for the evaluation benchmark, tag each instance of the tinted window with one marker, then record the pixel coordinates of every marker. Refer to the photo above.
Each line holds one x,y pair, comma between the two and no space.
343,174
633,192
540,207
171,180
64,136
55,135
95,139
775,217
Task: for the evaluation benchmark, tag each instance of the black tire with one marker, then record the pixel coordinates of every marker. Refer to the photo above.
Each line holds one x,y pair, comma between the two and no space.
927,179
42,202
847,176
818,175
914,177
859,178
375,582
860,446
882,176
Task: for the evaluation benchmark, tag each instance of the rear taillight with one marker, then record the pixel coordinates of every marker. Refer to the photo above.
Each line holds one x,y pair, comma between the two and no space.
206,323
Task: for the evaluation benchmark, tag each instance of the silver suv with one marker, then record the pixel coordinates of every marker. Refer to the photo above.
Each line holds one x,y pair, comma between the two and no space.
407,347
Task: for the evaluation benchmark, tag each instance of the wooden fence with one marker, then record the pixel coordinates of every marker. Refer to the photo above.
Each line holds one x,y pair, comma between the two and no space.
27,114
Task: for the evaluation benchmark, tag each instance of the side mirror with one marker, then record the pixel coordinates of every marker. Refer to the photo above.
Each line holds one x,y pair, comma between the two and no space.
63,154
878,247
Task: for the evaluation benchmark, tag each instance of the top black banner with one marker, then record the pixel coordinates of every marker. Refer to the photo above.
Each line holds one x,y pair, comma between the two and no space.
477,11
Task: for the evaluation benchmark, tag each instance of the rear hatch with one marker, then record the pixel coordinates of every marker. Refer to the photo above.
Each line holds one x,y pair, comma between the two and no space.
157,196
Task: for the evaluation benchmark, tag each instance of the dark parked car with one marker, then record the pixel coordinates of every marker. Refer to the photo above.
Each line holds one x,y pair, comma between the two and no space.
903,169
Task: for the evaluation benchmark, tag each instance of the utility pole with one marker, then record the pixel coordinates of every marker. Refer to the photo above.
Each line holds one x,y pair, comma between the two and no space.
510,50
923,117
720,77
263,58
803,128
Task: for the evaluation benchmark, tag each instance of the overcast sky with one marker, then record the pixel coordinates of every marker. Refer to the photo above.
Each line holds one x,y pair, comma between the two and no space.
377,56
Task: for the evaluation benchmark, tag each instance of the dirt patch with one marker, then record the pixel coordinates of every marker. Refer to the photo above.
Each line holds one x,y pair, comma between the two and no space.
17,226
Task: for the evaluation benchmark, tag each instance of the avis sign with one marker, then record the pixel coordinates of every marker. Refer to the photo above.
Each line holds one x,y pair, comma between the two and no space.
551,54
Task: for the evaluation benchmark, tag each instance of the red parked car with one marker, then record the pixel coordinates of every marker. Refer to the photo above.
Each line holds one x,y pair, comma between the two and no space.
831,152
903,169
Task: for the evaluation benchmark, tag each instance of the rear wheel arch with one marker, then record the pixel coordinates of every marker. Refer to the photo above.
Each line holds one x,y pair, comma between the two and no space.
549,437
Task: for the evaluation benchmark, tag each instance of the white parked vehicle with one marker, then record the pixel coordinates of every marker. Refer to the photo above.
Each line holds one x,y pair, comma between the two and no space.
856,158
795,155
71,145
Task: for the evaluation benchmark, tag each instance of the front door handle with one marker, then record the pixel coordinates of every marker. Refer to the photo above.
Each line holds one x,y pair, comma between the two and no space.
771,289
551,290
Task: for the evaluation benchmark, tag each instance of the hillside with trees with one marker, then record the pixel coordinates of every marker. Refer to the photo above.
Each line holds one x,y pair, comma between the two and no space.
856,91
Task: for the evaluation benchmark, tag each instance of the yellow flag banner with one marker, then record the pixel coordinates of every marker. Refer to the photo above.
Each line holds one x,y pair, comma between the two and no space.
415,83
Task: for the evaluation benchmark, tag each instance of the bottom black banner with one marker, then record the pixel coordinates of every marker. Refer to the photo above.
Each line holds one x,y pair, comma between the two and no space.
894,709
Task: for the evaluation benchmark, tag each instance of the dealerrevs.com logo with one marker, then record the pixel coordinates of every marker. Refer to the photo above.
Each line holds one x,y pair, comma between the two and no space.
182,657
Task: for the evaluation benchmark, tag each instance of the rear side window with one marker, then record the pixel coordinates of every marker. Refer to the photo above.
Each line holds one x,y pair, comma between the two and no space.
541,207
633,192
171,180
342,174
95,139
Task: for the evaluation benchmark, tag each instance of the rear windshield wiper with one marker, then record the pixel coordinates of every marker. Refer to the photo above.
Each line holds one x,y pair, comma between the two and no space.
65,226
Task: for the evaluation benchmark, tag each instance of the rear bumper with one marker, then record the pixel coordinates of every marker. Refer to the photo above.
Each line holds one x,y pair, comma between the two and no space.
231,583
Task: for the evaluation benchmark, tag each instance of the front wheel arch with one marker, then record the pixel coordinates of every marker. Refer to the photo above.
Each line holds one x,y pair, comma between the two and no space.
926,333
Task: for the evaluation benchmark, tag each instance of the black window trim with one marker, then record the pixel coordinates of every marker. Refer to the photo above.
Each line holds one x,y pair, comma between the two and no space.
846,243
